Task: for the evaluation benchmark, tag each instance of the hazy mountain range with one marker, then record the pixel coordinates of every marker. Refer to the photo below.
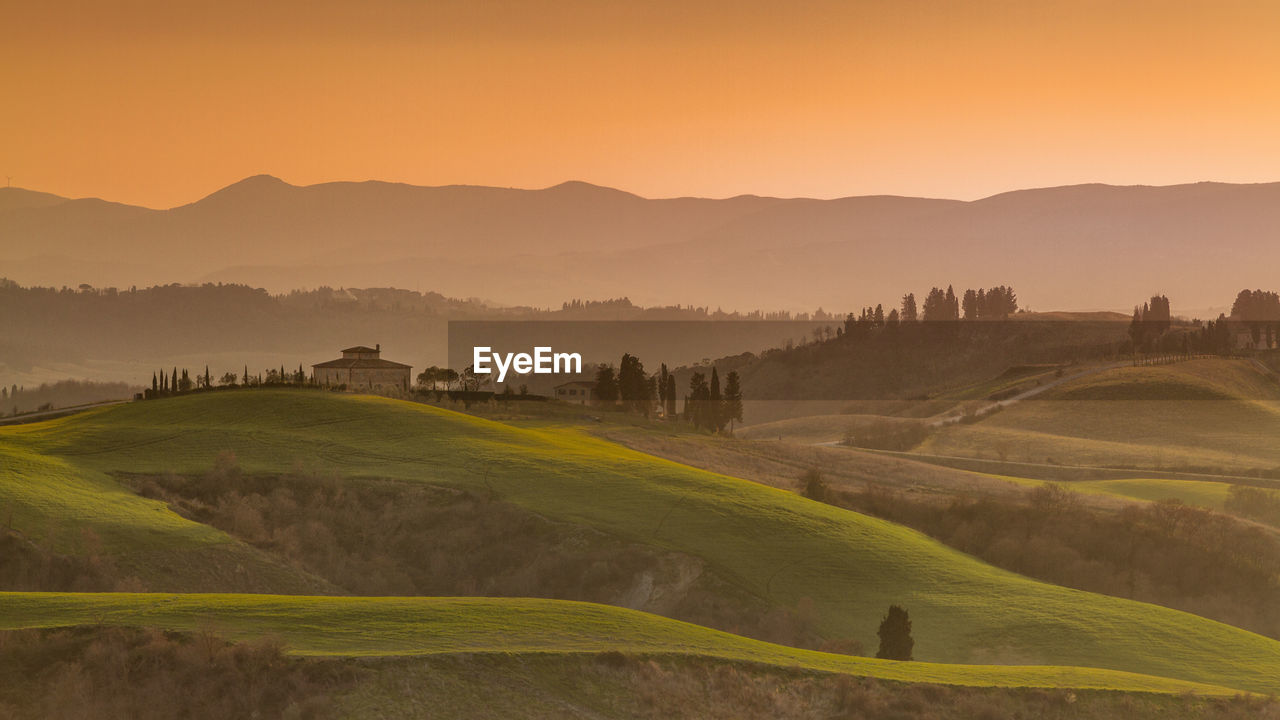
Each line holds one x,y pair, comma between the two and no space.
1075,247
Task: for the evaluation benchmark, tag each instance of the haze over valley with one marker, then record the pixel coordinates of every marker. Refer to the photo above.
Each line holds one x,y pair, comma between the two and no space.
1085,247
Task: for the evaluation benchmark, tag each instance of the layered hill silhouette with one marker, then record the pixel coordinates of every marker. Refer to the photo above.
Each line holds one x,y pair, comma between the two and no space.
1075,247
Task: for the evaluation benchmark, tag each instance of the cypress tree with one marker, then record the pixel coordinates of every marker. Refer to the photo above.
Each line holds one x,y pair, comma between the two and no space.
714,411
662,386
908,308
695,404
895,635
732,398
671,395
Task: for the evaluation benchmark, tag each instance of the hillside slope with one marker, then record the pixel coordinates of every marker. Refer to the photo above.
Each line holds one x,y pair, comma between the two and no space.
846,567
1210,414
372,627
71,509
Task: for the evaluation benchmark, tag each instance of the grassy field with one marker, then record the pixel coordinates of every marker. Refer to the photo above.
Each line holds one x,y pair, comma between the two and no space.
1200,493
379,627
71,507
845,567
1206,494
818,428
1210,414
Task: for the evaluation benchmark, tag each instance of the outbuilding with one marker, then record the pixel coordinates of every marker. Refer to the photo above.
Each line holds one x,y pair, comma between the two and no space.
579,392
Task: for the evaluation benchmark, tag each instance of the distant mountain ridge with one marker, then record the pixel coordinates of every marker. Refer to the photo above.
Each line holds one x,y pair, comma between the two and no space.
1073,247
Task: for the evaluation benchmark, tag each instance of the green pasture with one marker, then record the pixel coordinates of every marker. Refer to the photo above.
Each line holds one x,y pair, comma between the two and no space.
791,551
348,626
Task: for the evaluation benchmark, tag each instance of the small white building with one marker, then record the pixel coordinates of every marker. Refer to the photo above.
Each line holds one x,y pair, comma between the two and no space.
580,392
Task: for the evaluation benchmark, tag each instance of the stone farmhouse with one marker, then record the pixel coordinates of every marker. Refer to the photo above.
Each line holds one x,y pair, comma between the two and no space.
362,368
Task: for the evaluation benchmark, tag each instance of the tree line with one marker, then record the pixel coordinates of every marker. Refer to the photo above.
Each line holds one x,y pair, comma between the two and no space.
1256,312
706,406
996,303
175,382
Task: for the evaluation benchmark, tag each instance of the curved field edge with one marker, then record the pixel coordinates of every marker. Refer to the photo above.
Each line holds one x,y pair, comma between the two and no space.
777,545
385,627
1207,415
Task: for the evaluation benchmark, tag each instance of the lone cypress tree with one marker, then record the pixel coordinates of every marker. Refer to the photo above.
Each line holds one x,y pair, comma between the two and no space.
895,635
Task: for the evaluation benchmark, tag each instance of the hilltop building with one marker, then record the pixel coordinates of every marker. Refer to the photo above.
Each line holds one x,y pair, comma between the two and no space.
580,392
362,368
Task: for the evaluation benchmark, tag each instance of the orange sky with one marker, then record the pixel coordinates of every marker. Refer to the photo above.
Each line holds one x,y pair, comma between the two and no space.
160,103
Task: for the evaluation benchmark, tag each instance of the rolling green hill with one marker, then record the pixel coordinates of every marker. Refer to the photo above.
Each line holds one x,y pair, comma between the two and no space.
423,626
1210,414
846,567
69,507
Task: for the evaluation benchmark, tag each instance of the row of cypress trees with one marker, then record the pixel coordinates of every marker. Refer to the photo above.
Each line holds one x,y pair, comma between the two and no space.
705,406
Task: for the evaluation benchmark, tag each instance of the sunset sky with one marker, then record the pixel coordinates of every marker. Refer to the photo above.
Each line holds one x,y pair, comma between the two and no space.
160,103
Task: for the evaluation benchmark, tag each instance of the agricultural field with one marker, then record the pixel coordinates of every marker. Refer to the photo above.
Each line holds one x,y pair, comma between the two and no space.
1201,493
1206,415
841,567
816,429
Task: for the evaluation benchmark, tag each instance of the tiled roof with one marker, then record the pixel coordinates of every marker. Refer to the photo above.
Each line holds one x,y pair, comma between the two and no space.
354,363
359,349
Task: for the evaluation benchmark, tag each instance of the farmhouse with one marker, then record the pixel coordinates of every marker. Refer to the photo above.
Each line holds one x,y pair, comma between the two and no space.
581,392
362,368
